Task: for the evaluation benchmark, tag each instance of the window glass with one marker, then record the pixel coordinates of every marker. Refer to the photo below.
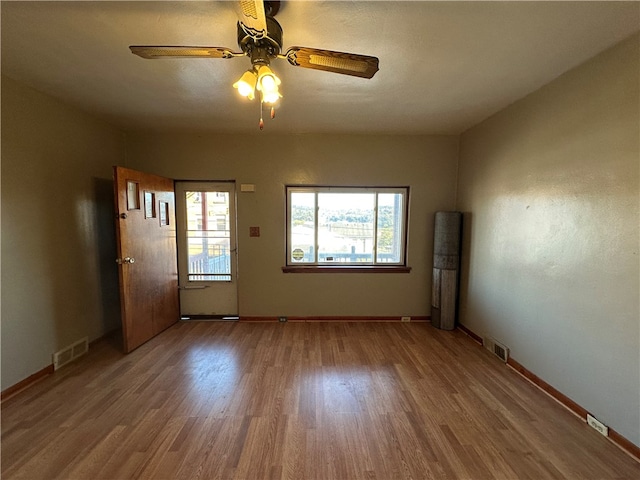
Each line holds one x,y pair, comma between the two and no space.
346,226
208,236
302,227
390,234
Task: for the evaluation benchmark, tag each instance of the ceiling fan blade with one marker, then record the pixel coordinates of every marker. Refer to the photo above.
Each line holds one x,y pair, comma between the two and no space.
149,51
337,62
253,18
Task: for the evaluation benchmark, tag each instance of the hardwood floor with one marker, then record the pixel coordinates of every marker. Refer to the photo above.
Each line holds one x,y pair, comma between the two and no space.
208,400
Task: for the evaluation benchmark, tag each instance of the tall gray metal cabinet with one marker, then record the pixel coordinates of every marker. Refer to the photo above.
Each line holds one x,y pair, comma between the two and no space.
446,267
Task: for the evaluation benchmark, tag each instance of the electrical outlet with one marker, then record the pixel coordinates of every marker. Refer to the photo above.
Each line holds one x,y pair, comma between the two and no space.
597,425
282,319
405,319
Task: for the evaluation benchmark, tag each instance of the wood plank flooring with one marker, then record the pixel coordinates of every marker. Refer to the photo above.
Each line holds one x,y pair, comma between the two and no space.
209,400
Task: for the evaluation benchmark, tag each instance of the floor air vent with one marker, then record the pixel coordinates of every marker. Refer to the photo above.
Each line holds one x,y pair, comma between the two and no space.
70,353
495,347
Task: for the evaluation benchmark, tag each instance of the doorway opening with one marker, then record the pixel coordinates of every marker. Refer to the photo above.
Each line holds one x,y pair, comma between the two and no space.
207,250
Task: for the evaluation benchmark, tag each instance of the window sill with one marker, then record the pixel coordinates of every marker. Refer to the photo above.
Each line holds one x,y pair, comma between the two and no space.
345,269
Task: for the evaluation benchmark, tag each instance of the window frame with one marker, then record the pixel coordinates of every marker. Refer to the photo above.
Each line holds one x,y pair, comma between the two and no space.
375,266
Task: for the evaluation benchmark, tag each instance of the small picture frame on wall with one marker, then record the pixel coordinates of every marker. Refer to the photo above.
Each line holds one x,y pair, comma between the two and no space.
133,195
164,214
149,205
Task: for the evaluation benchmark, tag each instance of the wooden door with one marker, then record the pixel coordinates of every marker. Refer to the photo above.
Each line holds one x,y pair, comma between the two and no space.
146,246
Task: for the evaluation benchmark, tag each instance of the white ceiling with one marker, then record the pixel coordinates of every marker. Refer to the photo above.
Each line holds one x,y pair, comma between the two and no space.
444,66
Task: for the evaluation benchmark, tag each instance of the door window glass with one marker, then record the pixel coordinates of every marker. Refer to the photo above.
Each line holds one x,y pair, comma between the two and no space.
208,236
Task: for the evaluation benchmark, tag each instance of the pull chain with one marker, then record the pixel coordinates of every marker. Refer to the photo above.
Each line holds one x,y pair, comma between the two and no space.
273,113
261,124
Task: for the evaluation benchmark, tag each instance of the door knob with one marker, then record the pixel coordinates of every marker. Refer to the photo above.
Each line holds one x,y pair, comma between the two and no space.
120,261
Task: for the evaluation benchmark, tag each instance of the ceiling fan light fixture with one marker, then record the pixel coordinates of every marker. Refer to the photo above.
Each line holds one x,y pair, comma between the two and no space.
268,83
246,86
259,37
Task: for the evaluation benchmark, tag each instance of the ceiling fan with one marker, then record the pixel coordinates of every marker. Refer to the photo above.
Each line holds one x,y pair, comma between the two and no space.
260,39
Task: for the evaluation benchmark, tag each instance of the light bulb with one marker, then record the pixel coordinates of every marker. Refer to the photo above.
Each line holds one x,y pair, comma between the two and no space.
267,80
244,89
271,97
247,84
268,83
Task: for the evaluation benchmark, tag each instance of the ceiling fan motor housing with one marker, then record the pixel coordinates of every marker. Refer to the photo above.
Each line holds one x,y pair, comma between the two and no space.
263,48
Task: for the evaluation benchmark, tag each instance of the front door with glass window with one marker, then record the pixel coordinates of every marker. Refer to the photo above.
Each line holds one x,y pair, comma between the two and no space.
206,221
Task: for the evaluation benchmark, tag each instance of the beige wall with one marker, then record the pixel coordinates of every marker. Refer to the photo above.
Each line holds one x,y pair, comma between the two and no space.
426,163
550,187
59,282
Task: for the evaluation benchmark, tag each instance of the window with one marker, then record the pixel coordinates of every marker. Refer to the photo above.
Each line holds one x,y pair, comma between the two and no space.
354,226
208,236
